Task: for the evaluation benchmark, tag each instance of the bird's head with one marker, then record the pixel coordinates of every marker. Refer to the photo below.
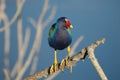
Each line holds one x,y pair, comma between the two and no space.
65,22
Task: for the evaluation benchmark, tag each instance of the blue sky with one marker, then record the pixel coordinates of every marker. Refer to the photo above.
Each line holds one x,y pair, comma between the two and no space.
93,19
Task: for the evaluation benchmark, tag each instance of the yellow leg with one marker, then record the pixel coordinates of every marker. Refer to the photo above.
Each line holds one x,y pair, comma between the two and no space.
66,61
55,57
55,64
55,61
69,49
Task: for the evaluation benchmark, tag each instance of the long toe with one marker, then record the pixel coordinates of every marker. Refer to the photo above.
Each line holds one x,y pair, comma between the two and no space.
68,65
53,68
62,65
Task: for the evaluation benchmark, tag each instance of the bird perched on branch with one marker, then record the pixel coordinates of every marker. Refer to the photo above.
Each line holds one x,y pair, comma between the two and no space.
60,37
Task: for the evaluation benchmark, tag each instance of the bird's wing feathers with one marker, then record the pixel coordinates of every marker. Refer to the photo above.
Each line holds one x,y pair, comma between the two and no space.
52,28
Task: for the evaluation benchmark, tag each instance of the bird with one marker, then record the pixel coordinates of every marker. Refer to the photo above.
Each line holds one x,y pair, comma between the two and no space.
59,38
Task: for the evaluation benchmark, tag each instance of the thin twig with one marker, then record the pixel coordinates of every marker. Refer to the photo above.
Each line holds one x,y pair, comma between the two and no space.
19,4
22,54
4,18
34,63
7,46
37,41
76,44
20,44
7,75
33,22
18,12
22,47
43,13
19,34
50,18
74,59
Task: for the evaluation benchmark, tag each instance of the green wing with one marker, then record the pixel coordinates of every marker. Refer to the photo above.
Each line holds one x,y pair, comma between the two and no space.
52,29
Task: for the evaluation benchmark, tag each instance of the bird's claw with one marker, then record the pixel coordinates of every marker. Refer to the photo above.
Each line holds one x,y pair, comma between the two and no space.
51,69
54,68
65,62
62,64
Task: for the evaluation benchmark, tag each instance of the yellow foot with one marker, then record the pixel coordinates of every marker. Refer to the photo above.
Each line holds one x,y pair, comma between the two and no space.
54,68
68,59
65,62
62,65
68,65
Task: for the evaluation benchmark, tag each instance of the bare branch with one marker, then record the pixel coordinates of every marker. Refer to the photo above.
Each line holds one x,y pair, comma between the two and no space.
34,63
37,41
18,12
22,54
51,77
20,68
77,42
94,61
74,59
40,27
22,47
19,34
7,46
7,75
4,18
51,16
32,21
44,11
20,44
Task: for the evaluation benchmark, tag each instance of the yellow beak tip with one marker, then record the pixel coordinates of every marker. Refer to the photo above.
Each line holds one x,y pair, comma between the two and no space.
71,26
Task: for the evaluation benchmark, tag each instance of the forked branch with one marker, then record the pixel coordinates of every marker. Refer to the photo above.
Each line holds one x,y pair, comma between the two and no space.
74,59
